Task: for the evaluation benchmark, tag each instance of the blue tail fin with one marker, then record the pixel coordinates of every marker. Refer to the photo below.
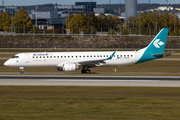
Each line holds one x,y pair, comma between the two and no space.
158,43
155,48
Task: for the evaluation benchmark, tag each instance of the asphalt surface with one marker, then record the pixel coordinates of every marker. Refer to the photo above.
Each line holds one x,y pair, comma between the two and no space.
135,81
87,77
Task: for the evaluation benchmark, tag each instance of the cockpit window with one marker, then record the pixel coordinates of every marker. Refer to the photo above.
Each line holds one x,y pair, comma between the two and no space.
15,57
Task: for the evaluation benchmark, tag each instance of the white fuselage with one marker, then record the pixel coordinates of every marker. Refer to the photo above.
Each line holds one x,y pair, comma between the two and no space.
53,59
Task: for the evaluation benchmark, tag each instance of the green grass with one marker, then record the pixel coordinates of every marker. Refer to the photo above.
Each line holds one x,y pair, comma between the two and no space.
89,103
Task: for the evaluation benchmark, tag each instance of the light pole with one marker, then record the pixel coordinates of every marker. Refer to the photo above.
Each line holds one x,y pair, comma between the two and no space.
131,12
47,25
156,23
68,19
77,29
12,21
174,22
36,15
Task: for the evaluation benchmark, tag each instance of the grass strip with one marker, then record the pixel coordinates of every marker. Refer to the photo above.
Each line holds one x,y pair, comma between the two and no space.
79,103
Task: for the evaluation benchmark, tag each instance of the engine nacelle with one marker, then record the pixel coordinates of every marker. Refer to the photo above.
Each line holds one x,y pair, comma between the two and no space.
68,67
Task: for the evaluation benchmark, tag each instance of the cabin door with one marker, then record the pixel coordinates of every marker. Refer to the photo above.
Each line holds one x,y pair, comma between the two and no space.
137,56
27,57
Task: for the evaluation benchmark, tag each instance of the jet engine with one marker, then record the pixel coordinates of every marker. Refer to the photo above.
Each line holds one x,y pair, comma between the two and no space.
68,67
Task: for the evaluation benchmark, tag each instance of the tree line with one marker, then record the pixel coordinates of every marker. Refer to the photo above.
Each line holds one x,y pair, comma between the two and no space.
149,23
91,23
21,21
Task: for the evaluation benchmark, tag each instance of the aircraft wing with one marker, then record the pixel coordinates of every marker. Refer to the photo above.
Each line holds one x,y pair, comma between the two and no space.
95,62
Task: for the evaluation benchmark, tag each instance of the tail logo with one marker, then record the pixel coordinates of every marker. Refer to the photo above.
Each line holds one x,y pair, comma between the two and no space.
157,44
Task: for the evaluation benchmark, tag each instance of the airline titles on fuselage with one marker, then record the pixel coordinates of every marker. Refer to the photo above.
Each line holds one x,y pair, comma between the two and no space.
40,54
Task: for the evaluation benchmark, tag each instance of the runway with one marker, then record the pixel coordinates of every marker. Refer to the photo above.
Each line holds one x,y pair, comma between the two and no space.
131,81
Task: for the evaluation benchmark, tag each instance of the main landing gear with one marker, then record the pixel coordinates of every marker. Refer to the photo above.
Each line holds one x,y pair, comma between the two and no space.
85,70
22,70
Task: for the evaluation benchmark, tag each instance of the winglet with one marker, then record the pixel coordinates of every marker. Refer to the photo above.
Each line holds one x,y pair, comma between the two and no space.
109,58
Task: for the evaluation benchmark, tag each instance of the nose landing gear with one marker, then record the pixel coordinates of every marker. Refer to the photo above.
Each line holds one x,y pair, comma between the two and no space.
22,70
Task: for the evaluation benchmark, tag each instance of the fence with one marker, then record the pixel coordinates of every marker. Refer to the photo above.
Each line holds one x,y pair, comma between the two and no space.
62,32
86,46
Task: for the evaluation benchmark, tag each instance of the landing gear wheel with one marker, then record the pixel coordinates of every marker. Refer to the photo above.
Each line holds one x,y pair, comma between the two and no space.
22,72
89,70
83,71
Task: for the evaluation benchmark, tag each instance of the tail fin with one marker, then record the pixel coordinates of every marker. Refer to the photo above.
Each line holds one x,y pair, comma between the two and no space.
156,48
159,42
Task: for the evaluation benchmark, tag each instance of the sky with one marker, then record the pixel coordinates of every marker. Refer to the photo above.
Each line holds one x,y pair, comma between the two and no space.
72,2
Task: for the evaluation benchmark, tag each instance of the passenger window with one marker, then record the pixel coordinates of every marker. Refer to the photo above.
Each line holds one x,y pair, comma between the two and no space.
64,56
57,56
94,56
83,56
40,56
47,56
107,55
43,56
72,56
91,55
36,56
114,55
124,55
54,56
68,56
61,56
33,56
76,56
131,55
100,55
117,55
79,56
51,57
87,56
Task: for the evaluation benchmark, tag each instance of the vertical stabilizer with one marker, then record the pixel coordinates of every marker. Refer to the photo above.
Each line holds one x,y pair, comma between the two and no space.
155,47
159,42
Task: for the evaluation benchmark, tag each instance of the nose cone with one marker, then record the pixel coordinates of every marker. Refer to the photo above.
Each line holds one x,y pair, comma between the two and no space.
7,63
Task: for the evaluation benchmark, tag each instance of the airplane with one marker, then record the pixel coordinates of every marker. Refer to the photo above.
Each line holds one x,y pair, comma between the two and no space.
71,61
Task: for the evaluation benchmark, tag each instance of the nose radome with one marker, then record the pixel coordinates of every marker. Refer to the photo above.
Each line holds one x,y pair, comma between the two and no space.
6,63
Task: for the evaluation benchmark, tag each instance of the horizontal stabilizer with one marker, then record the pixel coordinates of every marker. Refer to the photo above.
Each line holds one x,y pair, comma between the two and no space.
163,54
